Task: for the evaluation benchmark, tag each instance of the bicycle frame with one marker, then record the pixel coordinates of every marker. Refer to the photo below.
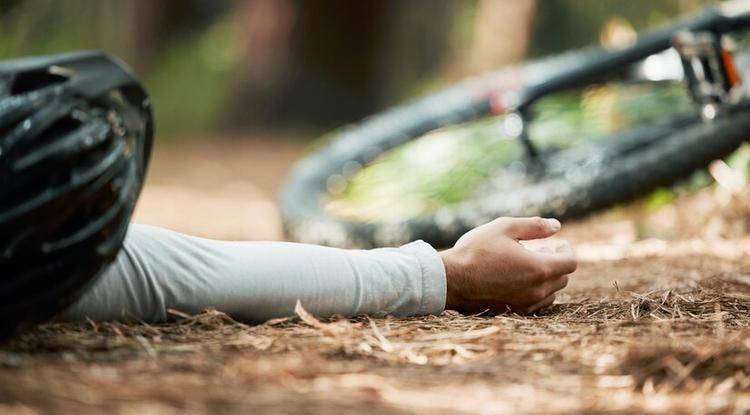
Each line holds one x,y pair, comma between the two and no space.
718,20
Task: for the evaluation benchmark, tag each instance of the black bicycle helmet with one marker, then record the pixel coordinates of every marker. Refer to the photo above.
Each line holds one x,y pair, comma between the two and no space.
75,137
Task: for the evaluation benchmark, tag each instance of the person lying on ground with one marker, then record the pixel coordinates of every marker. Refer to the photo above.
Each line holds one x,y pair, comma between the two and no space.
487,269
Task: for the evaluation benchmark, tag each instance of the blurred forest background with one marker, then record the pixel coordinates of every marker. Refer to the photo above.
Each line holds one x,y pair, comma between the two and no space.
215,67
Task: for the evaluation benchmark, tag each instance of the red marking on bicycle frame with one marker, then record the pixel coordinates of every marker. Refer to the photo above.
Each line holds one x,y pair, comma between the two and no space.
506,81
497,106
731,70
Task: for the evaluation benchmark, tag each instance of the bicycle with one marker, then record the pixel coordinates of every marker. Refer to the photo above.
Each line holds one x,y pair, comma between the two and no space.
560,180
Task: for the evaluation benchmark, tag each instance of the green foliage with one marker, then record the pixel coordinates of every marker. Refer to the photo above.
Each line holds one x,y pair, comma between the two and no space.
191,81
567,24
659,198
21,34
189,77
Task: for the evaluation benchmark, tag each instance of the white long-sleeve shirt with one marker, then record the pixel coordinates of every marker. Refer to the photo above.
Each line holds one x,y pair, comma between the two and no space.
159,269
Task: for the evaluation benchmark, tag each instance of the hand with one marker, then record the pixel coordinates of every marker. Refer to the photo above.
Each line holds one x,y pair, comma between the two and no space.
488,269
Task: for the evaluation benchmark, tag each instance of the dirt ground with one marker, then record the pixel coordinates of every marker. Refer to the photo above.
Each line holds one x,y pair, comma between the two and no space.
646,324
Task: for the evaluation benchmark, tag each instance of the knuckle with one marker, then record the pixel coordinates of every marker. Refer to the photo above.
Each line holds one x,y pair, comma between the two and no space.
538,222
543,271
538,294
503,222
535,278
522,308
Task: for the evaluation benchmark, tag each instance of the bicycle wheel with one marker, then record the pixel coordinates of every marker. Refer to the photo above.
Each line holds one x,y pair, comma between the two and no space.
591,175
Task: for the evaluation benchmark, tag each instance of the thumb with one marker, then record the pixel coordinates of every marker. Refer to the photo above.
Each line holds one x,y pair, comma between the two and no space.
530,228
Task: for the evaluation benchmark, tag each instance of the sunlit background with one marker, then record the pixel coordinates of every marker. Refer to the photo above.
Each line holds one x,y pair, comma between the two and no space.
218,66
243,88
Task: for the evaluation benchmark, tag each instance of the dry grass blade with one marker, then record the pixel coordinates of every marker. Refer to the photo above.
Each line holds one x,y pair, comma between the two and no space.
308,318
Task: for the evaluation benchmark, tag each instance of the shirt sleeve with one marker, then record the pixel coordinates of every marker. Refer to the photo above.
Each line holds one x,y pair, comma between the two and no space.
158,270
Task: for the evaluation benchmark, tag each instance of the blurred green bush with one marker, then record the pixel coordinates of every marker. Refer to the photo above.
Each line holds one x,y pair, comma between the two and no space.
210,64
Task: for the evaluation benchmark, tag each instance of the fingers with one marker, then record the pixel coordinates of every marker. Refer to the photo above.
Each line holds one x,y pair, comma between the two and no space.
529,228
560,263
542,304
496,307
551,287
563,246
554,264
564,260
557,284
544,250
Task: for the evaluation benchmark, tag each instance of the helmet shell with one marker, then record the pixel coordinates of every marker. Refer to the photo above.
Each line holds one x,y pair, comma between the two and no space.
76,133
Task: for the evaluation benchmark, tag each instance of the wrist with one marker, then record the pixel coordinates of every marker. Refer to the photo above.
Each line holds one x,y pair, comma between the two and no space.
454,275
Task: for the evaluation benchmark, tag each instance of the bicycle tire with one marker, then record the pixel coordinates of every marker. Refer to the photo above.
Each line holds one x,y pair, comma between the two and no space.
675,149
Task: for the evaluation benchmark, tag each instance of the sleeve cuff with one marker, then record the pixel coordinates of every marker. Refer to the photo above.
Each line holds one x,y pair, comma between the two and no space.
434,284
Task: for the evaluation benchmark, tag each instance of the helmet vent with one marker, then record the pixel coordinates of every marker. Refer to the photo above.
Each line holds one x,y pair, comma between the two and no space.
34,80
58,129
